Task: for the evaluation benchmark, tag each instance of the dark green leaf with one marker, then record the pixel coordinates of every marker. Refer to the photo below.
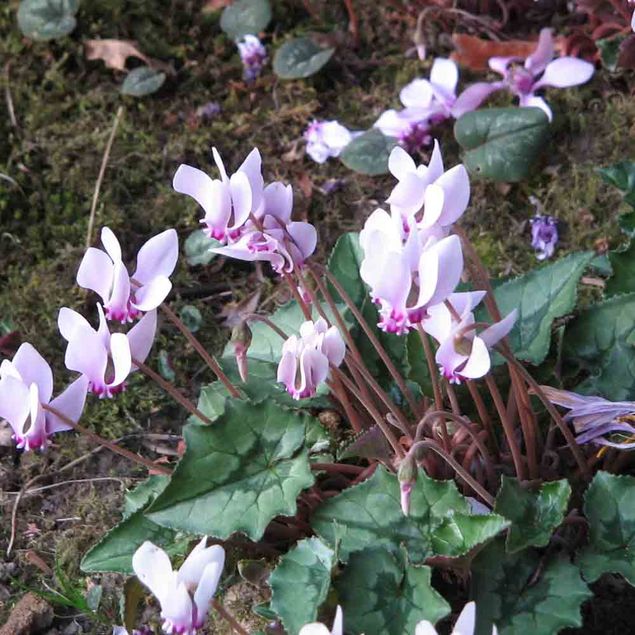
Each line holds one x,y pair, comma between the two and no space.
142,81
599,341
502,143
382,595
623,265
370,514
238,473
418,370
627,223
197,248
245,17
191,317
344,263
47,19
534,514
621,175
609,51
609,505
299,58
165,366
522,595
368,153
540,296
300,583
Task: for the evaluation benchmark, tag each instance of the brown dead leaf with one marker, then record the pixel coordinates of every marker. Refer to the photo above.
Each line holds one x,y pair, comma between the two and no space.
474,52
306,185
215,5
113,52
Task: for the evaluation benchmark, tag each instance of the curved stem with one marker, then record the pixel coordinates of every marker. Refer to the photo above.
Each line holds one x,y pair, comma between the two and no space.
113,447
256,317
229,618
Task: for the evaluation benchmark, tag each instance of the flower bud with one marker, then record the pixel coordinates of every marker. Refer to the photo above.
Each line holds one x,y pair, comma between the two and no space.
241,339
407,476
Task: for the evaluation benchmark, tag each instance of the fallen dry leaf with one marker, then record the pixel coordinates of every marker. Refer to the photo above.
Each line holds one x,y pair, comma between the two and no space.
474,52
215,5
113,52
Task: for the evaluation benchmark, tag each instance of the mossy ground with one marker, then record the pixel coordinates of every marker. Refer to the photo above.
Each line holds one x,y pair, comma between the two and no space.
64,109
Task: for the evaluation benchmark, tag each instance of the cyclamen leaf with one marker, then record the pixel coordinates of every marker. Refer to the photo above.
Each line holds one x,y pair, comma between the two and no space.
142,81
623,266
502,143
300,58
300,583
113,553
507,594
382,595
245,17
534,514
370,514
238,473
47,19
622,176
198,248
540,296
598,339
609,505
368,153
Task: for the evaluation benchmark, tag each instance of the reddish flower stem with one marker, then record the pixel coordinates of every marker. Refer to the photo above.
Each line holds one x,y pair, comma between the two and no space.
229,618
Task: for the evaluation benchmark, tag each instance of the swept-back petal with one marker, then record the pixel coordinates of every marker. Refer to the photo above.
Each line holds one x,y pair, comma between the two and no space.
121,358
206,589
543,54
473,96
408,195
417,94
279,201
242,198
141,336
157,257
68,321
425,628
400,163
152,294
34,369
111,244
191,571
440,269
304,236
496,332
444,75
533,101
565,72
70,403
456,186
95,272
478,363
153,568
14,403
466,622
333,346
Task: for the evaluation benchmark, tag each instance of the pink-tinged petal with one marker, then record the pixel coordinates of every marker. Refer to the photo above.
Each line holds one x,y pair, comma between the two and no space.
287,369
333,346
391,124
304,236
95,272
205,591
141,336
432,206
478,363
34,369
86,354
242,199
400,163
434,169
465,301
252,167
394,285
121,358
448,358
473,96
335,136
315,628
425,628
408,195
157,257
68,321
533,101
111,244
176,610
493,334
444,75
212,196
565,72
279,201
466,622
70,403
439,323
500,64
153,568
36,434
191,570
633,21
543,54
456,185
14,403
571,400
102,329
220,165
417,94
440,269
338,622
314,369
117,305
151,295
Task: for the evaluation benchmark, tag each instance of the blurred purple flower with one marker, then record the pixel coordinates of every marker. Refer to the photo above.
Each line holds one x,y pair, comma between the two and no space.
208,110
595,419
544,235
325,139
26,385
253,55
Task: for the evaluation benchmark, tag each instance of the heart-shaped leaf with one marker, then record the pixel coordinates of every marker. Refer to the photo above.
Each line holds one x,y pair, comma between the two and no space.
439,522
300,58
609,505
382,595
198,248
534,514
301,582
238,473
47,19
502,143
245,17
191,317
142,81
368,153
622,176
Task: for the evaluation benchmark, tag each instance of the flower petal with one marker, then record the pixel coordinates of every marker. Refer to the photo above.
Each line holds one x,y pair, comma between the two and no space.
543,54
68,321
141,336
338,622
478,363
34,369
493,334
252,167
444,75
279,201
206,589
242,198
417,94
425,628
157,257
440,268
95,272
500,64
304,236
473,96
70,403
333,346
465,623
408,195
565,72
152,294
121,358
14,403
201,556
400,163
456,186
111,244
153,568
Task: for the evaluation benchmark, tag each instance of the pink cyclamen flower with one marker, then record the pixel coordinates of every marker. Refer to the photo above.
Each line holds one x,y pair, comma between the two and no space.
104,358
127,297
462,353
228,201
26,385
306,359
465,623
595,419
317,628
427,195
407,275
325,139
524,78
253,55
185,595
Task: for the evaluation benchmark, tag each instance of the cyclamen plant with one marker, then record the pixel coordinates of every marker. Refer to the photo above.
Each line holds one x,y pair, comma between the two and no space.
456,456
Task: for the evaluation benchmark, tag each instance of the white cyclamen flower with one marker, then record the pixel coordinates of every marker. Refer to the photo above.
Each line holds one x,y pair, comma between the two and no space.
316,628
465,624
